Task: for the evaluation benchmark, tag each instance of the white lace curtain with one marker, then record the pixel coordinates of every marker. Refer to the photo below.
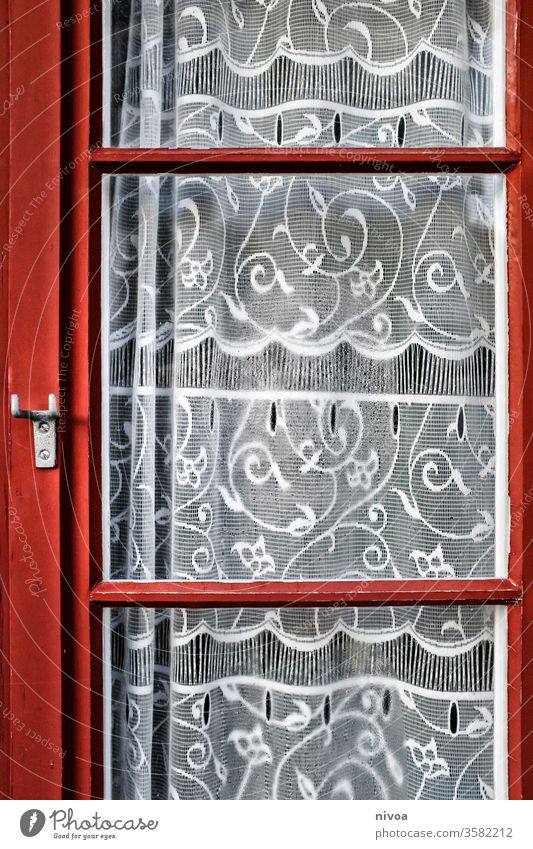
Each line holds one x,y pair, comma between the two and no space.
301,377
302,72
392,703
299,385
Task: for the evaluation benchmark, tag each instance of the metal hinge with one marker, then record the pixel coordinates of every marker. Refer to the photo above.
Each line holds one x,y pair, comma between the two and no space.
44,430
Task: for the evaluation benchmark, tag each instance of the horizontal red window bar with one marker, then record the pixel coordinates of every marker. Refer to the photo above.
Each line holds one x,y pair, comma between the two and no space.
306,160
302,593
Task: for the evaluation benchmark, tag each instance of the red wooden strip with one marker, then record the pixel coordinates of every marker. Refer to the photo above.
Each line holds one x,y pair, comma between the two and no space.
33,604
418,160
513,103
5,695
520,231
93,640
516,780
302,593
92,781
93,456
517,371
74,402
287,160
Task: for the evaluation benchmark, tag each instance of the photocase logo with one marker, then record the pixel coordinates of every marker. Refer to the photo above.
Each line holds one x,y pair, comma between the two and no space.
32,822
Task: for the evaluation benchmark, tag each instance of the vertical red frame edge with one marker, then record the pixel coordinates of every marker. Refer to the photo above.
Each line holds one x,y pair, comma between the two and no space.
521,626
33,603
74,356
95,635
516,448
5,770
520,679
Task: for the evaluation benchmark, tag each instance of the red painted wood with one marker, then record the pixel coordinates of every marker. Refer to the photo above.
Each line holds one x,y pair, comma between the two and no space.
517,779
301,593
97,702
323,160
512,75
36,742
335,160
523,240
81,706
519,434
93,636
5,695
74,387
42,706
517,370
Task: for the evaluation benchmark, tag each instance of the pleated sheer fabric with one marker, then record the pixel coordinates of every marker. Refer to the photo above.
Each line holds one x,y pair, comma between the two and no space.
392,703
262,73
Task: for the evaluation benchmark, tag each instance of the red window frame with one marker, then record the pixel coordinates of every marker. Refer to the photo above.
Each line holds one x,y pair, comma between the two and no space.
54,683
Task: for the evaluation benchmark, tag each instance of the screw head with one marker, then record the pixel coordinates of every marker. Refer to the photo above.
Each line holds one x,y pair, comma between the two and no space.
44,454
44,427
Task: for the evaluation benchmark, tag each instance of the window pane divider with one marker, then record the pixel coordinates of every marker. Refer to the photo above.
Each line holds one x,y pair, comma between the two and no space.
303,160
360,593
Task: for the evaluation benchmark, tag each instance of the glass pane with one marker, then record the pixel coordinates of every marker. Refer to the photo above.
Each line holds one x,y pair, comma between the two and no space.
300,377
384,703
250,73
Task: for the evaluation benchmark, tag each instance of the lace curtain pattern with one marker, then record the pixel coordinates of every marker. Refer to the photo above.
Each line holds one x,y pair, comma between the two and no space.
391,703
301,377
299,384
262,73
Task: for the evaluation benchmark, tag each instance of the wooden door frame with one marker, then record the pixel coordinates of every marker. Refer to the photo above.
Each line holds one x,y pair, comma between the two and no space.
32,713
54,137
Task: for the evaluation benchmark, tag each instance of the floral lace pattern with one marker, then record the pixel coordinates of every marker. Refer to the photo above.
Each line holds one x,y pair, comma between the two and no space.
376,263
387,703
300,385
301,378
262,73
279,489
